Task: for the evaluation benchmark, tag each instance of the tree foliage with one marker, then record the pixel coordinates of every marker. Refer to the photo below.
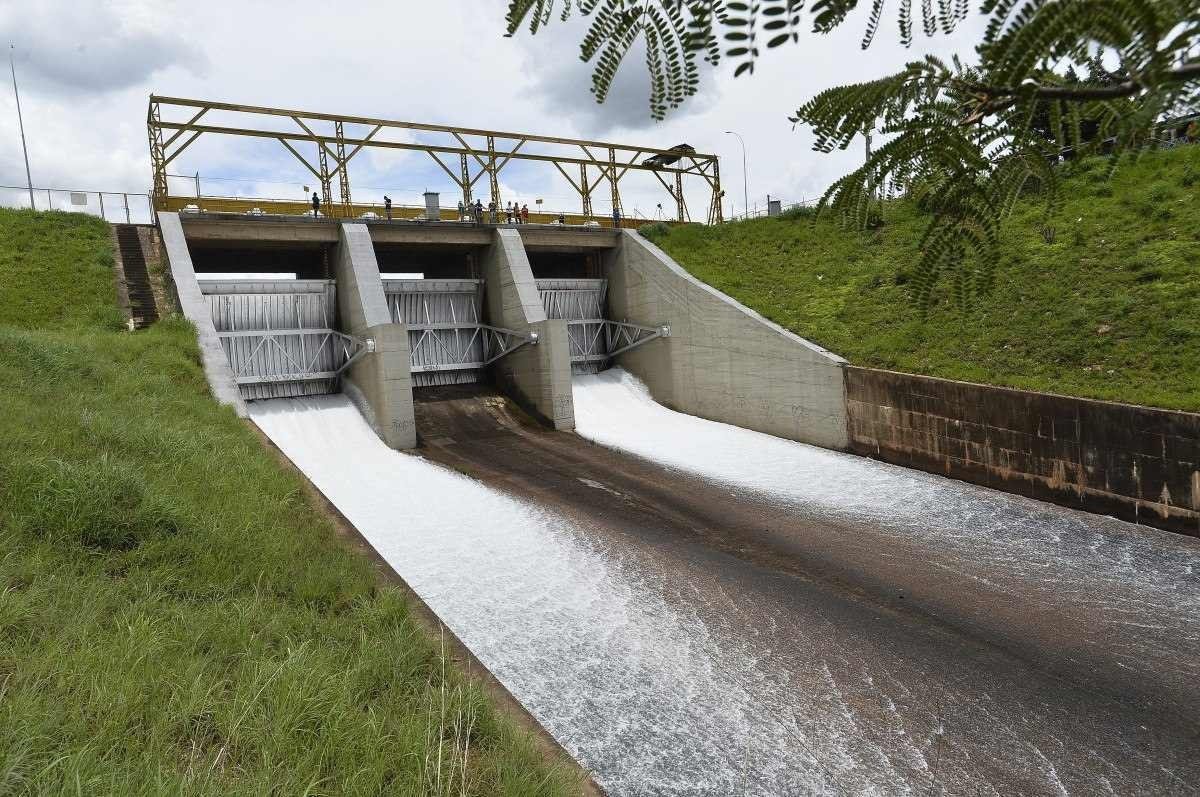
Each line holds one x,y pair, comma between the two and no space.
965,136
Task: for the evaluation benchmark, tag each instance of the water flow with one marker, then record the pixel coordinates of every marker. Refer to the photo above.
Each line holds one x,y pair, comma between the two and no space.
696,674
1047,547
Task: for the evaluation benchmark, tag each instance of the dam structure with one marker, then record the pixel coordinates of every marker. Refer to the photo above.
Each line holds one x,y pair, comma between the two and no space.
702,551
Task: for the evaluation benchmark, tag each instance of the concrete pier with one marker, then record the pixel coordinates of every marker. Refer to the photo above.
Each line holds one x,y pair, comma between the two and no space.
380,381
538,377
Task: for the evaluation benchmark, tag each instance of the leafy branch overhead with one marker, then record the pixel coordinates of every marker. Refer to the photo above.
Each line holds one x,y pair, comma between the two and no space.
1049,79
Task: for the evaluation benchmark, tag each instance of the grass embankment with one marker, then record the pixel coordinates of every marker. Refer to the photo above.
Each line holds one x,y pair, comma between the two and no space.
174,616
1109,309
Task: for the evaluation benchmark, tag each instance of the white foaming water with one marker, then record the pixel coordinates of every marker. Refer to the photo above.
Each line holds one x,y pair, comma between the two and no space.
667,676
629,683
1031,539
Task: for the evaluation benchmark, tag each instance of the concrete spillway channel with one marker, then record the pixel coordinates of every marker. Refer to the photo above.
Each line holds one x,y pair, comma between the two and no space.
694,608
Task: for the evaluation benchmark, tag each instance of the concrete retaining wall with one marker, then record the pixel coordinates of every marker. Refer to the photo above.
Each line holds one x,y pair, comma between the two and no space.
191,302
538,377
1136,463
379,382
722,361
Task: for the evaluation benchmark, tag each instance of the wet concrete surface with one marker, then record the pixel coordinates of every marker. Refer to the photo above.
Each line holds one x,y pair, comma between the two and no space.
874,664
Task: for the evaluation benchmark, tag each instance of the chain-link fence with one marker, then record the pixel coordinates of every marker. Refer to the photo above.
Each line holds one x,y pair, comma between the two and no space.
112,206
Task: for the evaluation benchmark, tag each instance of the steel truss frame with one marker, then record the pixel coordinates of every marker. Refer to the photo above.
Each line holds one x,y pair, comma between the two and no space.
304,369
610,161
497,342
619,337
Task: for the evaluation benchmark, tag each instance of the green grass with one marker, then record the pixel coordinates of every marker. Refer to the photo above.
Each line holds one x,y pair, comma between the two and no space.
174,616
1109,309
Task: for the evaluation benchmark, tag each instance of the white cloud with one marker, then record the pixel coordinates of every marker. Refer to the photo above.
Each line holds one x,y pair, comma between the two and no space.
87,70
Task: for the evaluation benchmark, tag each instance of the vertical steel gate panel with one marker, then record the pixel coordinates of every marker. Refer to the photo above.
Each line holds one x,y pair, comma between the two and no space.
594,339
581,302
279,336
444,318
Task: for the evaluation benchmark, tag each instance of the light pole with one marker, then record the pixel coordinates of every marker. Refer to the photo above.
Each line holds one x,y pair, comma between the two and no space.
21,124
745,177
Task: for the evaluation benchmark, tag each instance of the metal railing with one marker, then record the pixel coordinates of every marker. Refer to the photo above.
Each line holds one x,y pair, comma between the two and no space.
112,206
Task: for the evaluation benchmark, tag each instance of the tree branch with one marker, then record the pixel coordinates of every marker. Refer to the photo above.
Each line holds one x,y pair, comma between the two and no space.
1083,93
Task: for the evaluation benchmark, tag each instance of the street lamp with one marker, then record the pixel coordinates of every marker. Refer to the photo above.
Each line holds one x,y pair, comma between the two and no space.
745,177
21,125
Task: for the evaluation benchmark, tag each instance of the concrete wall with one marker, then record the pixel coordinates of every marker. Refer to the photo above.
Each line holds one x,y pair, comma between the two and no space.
538,377
722,360
191,302
1136,463
379,382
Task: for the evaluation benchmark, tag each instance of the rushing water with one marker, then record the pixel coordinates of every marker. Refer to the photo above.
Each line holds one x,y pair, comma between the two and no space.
668,670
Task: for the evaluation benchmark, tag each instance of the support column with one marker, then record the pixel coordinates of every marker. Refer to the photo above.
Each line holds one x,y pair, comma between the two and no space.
537,377
612,180
466,181
379,382
493,180
585,190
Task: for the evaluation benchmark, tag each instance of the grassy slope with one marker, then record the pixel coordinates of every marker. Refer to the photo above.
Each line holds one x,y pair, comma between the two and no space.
1108,310
174,617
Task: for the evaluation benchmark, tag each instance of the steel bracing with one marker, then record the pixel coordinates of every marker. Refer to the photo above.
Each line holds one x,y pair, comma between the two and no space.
449,342
279,337
593,339
472,146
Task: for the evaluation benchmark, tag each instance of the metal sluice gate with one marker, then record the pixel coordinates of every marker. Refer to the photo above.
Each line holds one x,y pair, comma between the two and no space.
450,343
279,336
594,339
280,340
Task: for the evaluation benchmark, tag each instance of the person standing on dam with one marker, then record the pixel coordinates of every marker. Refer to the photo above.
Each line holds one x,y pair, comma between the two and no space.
479,211
525,214
616,218
387,206
316,203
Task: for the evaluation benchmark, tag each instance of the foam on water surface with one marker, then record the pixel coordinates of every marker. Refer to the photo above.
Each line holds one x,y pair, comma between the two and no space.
665,677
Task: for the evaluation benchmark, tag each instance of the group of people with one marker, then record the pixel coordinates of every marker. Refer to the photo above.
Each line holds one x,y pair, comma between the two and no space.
513,213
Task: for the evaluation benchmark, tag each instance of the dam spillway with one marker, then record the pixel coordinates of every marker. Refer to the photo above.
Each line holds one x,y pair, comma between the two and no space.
601,595
688,606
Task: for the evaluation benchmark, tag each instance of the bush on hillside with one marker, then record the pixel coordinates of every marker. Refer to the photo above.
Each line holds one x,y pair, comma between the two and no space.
655,231
798,212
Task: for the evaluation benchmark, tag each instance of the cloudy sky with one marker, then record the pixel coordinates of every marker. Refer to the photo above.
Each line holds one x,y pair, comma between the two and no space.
86,70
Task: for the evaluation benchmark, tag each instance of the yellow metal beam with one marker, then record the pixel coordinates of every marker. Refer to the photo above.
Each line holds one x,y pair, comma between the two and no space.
297,136
432,128
621,158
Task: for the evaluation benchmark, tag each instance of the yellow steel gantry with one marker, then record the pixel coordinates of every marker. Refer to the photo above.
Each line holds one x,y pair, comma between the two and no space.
608,160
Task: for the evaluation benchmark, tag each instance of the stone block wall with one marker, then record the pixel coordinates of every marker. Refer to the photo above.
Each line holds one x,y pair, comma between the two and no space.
1136,463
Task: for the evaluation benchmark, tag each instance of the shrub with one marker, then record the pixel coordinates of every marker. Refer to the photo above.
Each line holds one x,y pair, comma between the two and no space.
1160,191
798,212
655,231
